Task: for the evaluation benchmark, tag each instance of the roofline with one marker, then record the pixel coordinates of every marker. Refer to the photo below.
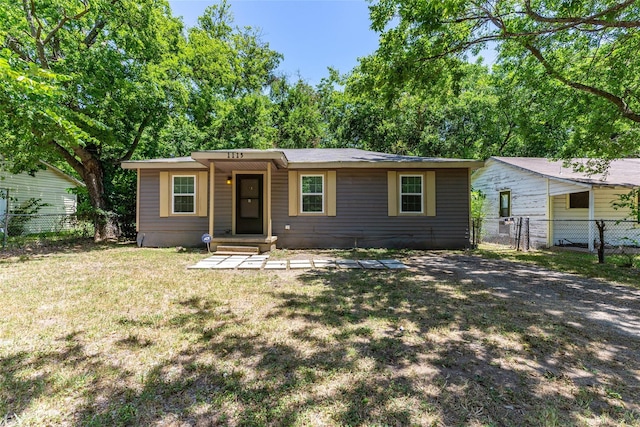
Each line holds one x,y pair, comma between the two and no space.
565,180
470,164
147,164
201,160
63,174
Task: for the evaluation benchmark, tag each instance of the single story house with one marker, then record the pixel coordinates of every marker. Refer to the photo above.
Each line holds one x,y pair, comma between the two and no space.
304,198
50,185
562,204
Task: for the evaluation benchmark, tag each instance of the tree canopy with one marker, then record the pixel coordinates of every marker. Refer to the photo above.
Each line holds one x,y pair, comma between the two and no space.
581,54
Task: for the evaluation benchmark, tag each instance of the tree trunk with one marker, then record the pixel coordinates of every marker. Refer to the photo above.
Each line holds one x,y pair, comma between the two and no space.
106,226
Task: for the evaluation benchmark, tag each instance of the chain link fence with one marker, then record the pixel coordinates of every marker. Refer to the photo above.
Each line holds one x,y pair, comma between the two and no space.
616,237
611,237
18,230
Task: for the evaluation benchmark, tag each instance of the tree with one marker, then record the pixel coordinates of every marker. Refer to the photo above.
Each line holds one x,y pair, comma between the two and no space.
296,114
231,69
584,53
122,77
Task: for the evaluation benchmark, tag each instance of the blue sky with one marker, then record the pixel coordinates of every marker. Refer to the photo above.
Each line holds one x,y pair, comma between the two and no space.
311,34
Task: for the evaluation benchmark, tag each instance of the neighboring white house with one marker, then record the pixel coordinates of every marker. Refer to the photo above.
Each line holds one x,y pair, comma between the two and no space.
50,185
562,204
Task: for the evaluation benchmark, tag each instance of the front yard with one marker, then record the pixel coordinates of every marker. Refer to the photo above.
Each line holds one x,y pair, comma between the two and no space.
117,335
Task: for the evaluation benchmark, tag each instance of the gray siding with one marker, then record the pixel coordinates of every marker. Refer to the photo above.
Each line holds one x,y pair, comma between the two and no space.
362,220
362,215
170,231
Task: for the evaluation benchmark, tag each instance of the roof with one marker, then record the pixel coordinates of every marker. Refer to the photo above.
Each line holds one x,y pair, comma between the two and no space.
300,158
622,172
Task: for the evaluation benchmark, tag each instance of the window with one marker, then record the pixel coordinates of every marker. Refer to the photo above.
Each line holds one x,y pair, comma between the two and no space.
505,203
312,193
184,194
411,193
579,200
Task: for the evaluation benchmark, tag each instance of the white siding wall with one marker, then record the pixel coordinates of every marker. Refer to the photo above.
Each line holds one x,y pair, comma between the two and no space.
528,199
47,185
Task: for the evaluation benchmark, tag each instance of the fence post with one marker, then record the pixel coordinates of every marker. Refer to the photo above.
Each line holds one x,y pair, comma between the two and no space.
6,220
601,227
526,234
518,233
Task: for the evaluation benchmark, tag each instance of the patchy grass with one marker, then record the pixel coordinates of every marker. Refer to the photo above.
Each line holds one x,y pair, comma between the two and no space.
127,336
616,268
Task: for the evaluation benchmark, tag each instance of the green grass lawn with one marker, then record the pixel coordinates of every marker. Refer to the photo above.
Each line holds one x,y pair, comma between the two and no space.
117,335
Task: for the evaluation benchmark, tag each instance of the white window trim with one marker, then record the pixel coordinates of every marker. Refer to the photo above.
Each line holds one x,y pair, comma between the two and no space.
421,194
302,194
173,194
510,207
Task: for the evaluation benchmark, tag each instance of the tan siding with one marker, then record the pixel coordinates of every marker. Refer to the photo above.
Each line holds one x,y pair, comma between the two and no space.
604,199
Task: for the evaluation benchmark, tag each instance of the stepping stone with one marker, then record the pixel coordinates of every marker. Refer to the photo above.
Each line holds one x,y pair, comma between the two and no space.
300,263
371,264
347,263
324,263
238,257
276,265
209,261
216,258
201,266
228,265
252,265
258,257
396,266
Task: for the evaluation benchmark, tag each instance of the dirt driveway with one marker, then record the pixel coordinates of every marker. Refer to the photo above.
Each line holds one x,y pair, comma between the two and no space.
581,302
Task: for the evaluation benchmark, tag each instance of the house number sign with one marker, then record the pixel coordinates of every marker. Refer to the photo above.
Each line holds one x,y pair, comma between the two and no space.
235,155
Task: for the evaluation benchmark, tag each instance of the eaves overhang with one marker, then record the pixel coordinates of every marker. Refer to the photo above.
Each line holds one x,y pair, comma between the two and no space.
277,157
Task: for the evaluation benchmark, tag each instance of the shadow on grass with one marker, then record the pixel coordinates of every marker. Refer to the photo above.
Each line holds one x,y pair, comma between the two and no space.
426,346
619,268
27,251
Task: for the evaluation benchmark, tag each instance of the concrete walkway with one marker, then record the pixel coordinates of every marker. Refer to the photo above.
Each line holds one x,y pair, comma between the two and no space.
262,262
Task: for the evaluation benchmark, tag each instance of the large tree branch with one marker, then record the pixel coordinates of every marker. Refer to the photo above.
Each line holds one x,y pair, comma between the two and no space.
69,158
591,20
618,101
66,19
30,14
100,23
17,48
136,141
92,35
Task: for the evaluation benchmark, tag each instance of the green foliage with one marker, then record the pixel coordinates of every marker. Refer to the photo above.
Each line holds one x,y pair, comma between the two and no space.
567,73
478,199
20,216
230,69
296,114
631,203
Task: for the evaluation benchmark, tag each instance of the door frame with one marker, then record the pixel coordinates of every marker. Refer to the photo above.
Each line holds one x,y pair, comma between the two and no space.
265,199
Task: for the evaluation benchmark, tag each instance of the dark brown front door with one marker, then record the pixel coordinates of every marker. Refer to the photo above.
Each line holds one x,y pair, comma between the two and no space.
249,204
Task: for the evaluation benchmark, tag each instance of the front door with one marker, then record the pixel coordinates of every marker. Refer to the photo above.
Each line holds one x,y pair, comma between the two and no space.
249,204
